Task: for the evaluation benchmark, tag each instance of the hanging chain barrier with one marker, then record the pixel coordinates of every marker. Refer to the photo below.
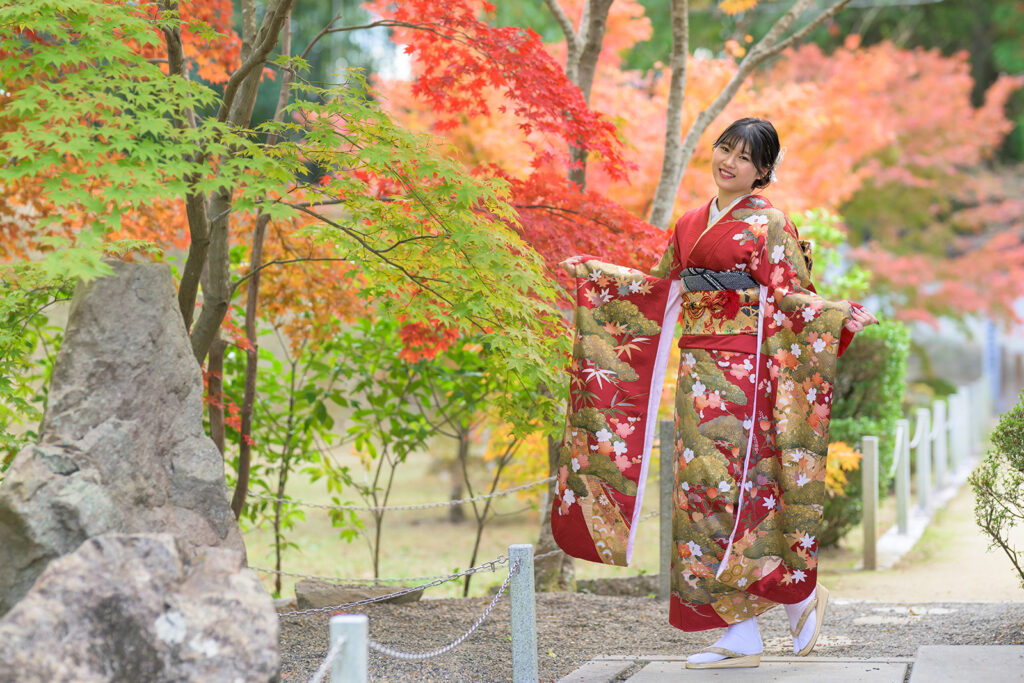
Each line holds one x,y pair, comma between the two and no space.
413,656
349,579
399,579
326,664
491,566
384,508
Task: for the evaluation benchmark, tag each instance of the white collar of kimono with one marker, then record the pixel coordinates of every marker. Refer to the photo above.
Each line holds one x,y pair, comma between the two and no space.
715,212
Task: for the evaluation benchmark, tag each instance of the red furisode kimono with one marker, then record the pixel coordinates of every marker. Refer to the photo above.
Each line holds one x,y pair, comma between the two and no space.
752,407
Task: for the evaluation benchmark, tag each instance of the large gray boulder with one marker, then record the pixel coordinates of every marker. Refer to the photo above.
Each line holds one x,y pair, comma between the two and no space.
140,608
122,447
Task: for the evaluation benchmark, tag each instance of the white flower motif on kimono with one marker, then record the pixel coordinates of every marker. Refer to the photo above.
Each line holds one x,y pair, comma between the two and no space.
687,455
569,496
620,447
694,549
603,435
795,456
769,502
756,220
605,296
698,388
812,394
778,253
724,486
575,465
748,423
634,286
685,486
803,480
795,349
819,345
799,575
806,541
747,485
808,314
742,582
779,318
594,276
690,360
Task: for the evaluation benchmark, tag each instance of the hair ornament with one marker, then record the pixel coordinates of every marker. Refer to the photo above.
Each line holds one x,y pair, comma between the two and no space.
778,162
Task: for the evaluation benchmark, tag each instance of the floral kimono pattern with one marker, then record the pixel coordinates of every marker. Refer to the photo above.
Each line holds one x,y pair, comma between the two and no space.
752,407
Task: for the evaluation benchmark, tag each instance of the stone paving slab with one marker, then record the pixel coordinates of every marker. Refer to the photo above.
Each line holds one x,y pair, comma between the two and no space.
659,668
988,663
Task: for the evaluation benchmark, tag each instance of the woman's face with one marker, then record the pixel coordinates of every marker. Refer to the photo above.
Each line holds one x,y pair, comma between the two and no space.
733,169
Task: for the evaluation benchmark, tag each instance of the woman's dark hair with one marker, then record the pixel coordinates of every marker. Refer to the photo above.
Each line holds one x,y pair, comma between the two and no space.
761,141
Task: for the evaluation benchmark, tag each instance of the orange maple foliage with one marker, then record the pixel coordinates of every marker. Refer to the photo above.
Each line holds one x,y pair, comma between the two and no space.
842,458
858,118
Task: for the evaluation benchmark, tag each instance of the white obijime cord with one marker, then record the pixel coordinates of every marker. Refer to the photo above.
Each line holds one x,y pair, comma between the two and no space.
750,433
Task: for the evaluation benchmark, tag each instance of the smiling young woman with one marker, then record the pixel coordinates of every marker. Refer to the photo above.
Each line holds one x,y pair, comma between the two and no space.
752,405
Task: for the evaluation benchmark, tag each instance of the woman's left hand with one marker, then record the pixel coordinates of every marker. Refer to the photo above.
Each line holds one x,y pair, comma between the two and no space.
860,318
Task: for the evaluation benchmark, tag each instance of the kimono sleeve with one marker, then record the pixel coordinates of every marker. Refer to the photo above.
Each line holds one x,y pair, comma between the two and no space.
669,265
778,262
624,320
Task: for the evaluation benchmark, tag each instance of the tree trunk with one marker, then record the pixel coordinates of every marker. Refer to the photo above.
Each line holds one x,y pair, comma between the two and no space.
251,361
215,404
665,194
584,47
456,513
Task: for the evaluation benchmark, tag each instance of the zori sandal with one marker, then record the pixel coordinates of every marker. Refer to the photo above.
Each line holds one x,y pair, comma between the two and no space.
818,605
733,660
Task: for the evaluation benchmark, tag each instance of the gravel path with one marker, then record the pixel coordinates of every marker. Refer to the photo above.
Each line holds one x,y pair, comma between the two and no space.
573,628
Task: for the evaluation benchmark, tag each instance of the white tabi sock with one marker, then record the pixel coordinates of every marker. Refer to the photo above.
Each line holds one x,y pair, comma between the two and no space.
742,637
807,632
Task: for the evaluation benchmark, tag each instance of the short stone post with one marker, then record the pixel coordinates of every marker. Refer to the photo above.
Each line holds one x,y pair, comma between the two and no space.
667,478
902,459
941,432
523,613
869,482
351,662
924,459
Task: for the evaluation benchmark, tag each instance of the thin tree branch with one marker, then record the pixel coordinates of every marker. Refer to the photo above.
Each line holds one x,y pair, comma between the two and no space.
233,107
802,33
572,41
615,229
665,194
418,280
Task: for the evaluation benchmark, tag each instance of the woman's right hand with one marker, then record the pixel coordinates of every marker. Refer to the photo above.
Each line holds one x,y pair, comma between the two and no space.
569,265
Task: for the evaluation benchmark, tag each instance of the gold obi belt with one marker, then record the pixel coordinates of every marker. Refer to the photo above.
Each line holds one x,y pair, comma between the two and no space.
718,303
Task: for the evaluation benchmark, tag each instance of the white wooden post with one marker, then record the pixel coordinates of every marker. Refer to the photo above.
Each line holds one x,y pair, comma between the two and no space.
902,458
523,614
667,478
955,416
869,482
351,663
924,459
941,439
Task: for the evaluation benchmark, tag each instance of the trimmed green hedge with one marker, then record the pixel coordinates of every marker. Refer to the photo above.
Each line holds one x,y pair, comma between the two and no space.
868,400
